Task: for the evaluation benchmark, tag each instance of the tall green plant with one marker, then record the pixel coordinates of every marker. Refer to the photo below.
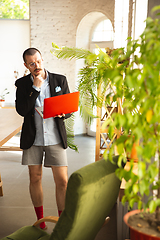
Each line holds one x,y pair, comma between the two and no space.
139,80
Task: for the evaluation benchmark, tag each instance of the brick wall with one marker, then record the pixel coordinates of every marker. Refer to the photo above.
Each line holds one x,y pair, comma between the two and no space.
57,21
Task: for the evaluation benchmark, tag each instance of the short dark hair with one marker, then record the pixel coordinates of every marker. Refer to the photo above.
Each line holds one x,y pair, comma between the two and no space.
31,52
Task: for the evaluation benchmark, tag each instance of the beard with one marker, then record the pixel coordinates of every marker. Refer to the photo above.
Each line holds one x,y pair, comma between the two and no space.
37,71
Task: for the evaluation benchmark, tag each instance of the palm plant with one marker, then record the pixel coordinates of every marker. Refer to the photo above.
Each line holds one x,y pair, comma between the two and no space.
93,79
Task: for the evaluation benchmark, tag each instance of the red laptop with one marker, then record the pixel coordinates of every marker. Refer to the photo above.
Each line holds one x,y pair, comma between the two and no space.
66,103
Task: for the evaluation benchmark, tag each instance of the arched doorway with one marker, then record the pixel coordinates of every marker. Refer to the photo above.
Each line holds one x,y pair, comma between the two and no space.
94,29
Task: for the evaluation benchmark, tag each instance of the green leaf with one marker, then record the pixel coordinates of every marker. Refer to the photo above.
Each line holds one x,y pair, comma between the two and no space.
155,8
105,154
131,202
129,81
70,53
69,123
152,206
135,188
55,46
139,204
106,123
121,161
144,187
120,148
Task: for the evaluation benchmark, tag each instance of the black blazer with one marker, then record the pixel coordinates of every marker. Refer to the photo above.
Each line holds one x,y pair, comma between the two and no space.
25,106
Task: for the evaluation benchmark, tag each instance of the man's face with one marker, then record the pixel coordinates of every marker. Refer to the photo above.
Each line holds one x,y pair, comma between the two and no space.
34,63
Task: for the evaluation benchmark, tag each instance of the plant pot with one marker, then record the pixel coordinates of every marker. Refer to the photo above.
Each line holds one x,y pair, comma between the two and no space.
2,102
134,233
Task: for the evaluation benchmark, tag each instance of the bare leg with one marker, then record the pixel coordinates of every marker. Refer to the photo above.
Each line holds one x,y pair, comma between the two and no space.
60,175
35,187
36,192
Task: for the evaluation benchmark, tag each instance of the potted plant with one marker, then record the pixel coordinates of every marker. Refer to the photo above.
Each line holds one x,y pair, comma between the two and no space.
137,83
2,97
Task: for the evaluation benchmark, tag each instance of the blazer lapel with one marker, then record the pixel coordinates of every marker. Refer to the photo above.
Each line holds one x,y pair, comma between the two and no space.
52,84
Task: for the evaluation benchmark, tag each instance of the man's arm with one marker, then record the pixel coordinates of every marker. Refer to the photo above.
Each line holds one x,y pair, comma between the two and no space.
25,97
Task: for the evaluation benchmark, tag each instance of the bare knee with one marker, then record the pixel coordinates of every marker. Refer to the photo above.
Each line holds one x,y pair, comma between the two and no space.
61,183
35,176
61,177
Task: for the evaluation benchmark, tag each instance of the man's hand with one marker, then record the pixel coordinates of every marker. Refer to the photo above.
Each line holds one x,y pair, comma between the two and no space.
60,116
38,81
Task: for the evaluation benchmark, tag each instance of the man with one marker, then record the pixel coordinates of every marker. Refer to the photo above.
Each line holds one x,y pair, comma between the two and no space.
42,136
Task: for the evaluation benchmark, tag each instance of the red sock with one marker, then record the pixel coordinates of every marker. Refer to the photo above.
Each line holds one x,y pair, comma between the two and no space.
59,212
39,213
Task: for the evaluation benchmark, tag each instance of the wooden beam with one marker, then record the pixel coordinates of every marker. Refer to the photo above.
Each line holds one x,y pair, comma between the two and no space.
8,148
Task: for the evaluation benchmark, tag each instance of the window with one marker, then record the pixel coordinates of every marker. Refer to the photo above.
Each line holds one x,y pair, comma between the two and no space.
103,32
14,9
102,35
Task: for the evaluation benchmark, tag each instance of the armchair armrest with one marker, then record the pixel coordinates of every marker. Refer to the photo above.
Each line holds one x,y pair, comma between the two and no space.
53,219
106,221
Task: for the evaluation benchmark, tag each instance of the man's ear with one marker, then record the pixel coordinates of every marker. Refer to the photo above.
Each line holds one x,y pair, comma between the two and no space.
25,65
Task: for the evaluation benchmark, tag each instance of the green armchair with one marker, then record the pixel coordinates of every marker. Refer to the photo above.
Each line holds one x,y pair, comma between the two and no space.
91,194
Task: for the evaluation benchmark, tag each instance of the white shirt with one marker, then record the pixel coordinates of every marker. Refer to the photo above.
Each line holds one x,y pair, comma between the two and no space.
46,129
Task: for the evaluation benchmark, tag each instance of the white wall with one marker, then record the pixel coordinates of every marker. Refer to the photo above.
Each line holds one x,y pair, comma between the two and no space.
14,38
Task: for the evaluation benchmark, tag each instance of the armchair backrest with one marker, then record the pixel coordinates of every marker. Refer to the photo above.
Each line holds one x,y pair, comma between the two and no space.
91,194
